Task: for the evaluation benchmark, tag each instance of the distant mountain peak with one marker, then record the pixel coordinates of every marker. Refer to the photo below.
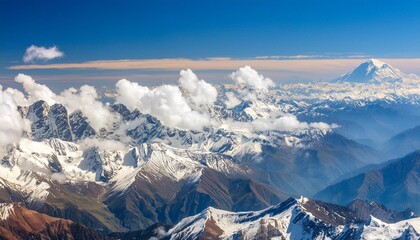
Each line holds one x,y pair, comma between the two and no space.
377,63
374,71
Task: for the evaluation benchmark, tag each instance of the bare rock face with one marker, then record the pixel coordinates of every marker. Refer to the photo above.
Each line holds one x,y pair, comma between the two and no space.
54,121
80,126
17,222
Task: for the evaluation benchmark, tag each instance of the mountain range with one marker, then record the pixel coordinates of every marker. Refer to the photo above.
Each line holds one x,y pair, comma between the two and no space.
292,219
164,177
239,177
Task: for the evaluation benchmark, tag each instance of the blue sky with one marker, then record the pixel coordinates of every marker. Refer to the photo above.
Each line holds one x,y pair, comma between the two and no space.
114,30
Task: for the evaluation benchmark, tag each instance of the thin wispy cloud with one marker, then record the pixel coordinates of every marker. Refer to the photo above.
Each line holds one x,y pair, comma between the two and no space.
199,64
35,53
356,55
310,66
290,57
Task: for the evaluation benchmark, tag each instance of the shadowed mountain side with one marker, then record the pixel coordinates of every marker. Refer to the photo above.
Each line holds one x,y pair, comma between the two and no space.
396,185
403,143
310,169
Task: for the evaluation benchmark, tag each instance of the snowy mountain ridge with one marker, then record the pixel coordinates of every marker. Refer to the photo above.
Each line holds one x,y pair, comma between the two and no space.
293,219
31,165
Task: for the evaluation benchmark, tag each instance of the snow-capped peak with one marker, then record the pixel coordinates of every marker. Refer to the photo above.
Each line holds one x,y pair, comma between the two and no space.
375,62
374,71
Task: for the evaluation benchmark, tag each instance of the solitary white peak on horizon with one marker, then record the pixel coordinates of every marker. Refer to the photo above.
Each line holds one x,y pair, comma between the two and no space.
375,71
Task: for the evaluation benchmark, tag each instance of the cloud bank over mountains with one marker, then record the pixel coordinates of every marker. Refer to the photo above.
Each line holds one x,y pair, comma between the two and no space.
192,104
85,99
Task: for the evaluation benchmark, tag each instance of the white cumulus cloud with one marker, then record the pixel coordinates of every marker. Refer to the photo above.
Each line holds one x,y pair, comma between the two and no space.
12,125
248,77
35,90
34,53
200,92
164,102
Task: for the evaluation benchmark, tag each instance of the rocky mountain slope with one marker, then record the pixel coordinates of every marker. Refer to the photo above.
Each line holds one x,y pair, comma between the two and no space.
17,222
